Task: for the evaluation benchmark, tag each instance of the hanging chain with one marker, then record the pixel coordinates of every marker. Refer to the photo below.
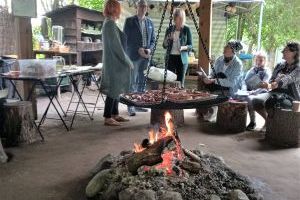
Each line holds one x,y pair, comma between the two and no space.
168,51
156,41
203,44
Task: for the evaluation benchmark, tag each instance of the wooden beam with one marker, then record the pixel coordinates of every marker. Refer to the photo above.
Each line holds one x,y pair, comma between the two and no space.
24,51
205,23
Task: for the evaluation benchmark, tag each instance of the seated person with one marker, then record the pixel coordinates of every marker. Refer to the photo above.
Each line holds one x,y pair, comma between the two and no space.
228,69
285,79
255,76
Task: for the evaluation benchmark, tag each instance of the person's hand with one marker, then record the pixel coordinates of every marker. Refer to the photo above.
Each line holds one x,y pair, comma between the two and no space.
264,85
183,48
208,81
142,53
274,85
147,53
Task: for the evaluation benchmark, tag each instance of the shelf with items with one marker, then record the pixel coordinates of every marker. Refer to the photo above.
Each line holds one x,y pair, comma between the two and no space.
89,46
82,30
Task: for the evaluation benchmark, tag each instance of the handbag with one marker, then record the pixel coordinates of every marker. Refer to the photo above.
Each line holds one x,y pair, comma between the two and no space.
279,100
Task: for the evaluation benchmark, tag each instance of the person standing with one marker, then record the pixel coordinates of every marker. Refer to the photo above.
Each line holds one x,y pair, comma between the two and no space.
140,42
117,65
179,36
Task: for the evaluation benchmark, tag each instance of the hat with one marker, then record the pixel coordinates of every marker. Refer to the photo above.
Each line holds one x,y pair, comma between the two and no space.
141,3
235,46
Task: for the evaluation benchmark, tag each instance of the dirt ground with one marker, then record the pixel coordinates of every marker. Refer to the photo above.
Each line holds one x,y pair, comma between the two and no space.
59,168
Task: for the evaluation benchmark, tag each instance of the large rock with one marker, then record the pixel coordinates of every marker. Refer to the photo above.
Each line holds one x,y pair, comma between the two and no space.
169,195
237,195
104,163
98,183
145,195
111,193
127,194
214,197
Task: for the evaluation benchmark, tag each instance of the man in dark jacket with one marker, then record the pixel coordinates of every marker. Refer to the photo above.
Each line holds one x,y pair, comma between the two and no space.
140,42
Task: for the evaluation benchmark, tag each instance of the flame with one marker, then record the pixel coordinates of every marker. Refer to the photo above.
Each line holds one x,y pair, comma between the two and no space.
138,148
169,157
152,136
169,124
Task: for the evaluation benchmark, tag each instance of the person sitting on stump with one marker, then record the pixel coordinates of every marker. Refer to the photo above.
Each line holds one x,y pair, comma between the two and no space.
284,80
228,69
256,75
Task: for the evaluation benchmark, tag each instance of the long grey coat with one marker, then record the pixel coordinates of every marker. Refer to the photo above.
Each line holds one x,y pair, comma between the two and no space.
116,64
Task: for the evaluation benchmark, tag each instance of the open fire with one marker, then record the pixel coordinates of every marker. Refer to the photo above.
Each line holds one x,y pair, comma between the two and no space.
170,157
161,168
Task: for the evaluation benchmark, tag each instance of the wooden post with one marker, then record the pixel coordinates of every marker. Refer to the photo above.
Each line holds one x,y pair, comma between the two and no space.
205,22
25,46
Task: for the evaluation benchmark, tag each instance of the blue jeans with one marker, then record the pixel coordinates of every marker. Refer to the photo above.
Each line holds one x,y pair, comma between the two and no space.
138,78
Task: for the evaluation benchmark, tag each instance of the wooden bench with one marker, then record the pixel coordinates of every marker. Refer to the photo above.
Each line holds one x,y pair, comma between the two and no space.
283,128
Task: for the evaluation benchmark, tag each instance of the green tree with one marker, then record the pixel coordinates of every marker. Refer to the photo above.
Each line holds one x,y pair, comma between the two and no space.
280,24
92,4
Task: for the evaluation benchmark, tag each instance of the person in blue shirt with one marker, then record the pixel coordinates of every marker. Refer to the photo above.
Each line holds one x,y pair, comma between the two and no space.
140,42
228,69
256,75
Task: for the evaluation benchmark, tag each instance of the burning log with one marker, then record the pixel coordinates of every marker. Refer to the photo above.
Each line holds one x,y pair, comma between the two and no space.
191,155
190,166
150,156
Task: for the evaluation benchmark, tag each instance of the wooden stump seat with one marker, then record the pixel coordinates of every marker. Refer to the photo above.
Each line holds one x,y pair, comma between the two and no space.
232,116
18,124
283,128
157,115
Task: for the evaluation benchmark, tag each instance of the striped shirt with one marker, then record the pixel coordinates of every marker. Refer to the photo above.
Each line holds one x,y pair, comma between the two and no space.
286,75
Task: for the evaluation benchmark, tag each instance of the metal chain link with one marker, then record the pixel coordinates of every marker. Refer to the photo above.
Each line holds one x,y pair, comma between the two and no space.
168,51
202,43
155,43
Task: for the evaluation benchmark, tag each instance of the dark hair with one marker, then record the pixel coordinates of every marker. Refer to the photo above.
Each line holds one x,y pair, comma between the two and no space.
294,47
235,46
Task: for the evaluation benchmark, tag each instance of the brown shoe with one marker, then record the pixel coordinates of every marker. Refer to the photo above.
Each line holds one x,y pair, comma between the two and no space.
120,119
111,122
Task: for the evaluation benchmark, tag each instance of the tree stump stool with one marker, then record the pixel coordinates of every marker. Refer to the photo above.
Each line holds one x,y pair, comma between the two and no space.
232,116
18,124
283,128
157,115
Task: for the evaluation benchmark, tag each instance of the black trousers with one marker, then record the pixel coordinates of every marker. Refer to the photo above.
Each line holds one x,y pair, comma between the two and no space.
175,65
111,107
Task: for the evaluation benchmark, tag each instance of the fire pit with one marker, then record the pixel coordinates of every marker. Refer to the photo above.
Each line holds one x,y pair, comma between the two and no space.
159,168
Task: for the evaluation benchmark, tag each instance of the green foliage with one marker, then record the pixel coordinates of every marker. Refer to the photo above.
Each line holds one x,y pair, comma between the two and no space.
36,31
92,4
280,24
